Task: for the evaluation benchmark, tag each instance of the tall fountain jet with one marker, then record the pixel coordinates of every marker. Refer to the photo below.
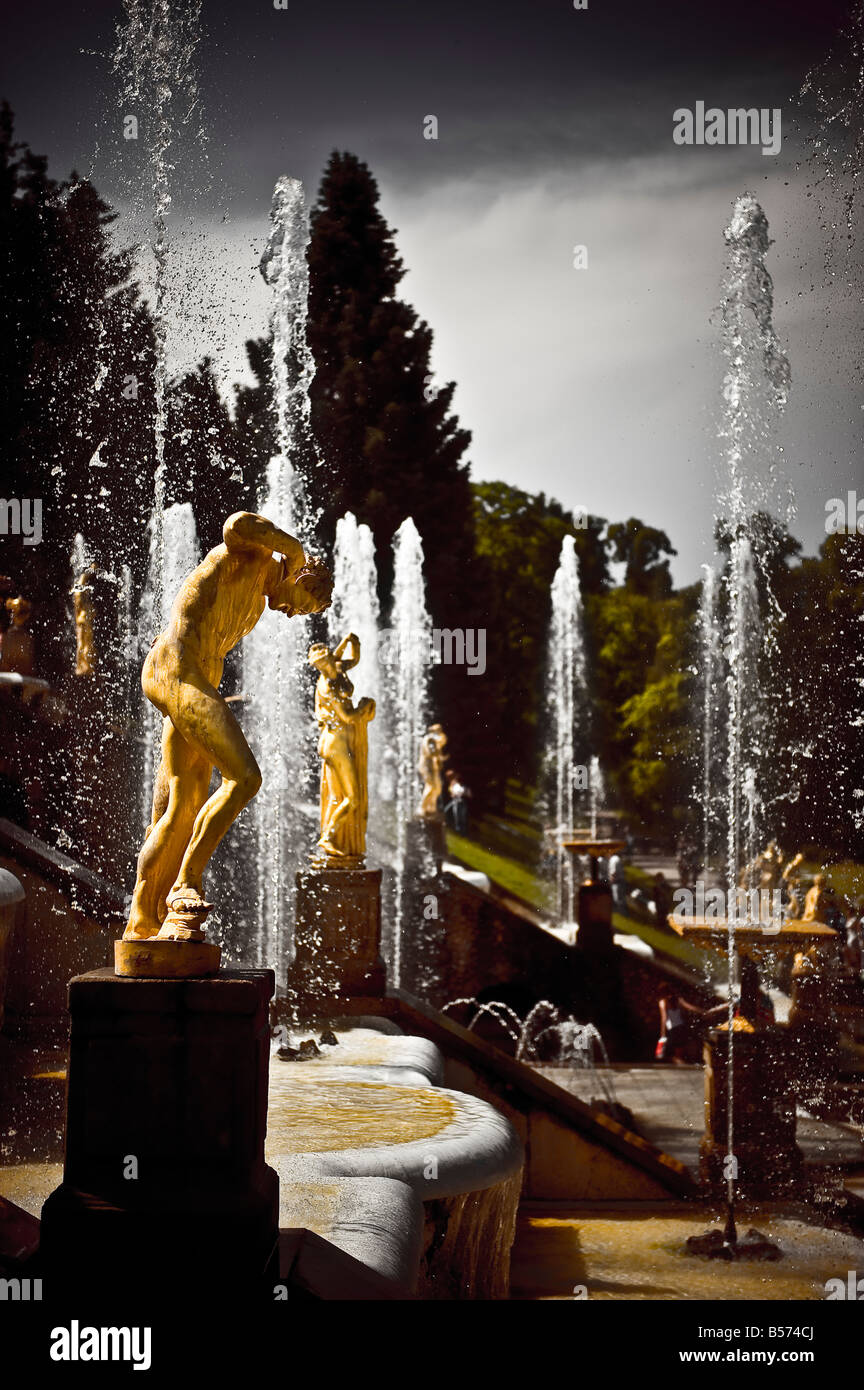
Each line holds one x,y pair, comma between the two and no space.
754,392
408,657
710,662
280,733
567,710
755,388
154,59
174,553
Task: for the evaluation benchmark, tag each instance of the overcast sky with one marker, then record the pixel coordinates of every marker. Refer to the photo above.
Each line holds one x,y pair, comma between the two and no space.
599,386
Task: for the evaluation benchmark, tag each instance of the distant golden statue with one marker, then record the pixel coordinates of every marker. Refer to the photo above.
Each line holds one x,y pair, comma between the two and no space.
83,609
431,769
343,750
16,652
219,603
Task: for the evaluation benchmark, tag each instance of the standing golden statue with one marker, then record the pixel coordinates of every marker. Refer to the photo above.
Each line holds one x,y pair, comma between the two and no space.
343,750
431,768
16,644
218,604
83,609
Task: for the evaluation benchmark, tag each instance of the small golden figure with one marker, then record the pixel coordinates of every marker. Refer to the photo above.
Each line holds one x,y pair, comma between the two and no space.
16,652
343,750
431,769
83,610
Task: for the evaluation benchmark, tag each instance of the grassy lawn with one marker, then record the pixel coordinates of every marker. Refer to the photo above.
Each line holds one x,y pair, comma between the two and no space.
515,878
846,878
508,874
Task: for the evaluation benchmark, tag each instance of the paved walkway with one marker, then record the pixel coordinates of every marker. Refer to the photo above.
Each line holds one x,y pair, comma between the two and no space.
668,1106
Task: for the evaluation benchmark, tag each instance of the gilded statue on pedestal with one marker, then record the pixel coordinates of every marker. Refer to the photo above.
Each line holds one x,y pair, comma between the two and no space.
219,603
431,769
16,652
83,610
343,750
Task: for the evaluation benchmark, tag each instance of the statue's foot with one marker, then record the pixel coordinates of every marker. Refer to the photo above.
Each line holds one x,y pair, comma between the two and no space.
325,847
185,916
142,929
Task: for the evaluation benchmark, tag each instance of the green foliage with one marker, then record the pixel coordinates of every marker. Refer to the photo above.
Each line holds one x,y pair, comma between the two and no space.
641,549
391,446
647,725
821,710
519,540
76,397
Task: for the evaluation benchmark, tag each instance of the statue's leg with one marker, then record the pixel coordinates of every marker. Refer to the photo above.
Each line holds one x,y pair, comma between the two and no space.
346,788
181,788
208,724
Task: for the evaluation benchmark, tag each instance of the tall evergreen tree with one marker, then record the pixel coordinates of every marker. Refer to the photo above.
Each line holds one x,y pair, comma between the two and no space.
389,446
76,399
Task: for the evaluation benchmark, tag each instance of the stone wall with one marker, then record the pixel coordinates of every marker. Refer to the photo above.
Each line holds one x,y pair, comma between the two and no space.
494,950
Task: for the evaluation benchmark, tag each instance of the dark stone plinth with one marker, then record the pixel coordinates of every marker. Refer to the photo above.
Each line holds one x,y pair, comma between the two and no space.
422,947
594,911
769,1162
165,1178
337,935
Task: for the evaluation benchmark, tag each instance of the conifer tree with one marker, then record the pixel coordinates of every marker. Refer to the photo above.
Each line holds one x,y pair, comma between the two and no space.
388,444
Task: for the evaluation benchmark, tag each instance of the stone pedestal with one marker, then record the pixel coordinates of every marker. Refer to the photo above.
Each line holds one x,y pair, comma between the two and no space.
337,936
769,1162
165,1189
422,907
594,912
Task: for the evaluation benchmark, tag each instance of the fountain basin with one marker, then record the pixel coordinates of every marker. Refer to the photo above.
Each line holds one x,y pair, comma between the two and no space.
753,939
457,1155
368,1048
440,1142
375,1220
624,1255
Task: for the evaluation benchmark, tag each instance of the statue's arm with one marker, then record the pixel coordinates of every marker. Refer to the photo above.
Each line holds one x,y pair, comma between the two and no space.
348,662
246,528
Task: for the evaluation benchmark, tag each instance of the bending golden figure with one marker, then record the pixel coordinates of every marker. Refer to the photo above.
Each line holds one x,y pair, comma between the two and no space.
342,747
219,603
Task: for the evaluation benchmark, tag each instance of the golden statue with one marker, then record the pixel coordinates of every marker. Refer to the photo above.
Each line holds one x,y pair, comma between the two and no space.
219,603
431,769
792,881
820,901
16,652
83,609
342,748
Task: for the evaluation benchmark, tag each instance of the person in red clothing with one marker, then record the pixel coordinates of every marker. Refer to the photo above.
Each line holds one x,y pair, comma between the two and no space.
678,1020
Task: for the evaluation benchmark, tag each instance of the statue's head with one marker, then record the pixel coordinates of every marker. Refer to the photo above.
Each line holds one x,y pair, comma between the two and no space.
19,610
307,590
321,657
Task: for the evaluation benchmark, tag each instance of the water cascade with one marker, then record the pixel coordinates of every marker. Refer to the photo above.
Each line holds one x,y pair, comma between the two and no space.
408,659
174,553
154,60
567,708
279,729
596,792
754,392
710,670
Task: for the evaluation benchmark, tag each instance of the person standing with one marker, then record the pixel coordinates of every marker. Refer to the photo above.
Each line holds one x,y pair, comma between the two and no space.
618,881
456,809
